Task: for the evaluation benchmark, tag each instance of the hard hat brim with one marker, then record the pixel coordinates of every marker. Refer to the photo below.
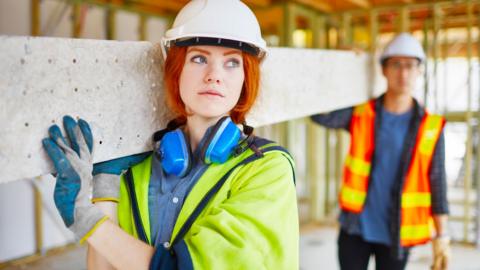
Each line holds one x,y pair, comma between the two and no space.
234,44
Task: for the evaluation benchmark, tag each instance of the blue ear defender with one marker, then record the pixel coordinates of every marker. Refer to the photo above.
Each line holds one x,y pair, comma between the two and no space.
221,143
175,153
222,140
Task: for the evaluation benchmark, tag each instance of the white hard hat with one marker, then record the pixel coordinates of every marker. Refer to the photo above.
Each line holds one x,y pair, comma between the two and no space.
405,45
228,23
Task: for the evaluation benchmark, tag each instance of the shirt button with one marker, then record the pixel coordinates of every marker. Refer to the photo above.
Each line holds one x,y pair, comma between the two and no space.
175,200
166,245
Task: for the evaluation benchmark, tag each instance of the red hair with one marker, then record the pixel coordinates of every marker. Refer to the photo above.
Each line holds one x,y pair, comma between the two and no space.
173,69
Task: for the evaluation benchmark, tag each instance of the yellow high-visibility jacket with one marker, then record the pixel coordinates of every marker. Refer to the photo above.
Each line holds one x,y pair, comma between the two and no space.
241,214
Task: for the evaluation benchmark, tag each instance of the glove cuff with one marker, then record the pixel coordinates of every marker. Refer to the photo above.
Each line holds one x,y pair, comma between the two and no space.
87,220
106,187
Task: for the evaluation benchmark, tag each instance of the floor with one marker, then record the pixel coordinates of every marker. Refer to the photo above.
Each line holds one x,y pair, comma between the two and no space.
317,251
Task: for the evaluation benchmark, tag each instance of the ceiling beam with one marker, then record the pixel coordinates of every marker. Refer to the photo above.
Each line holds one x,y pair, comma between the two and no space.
360,3
141,9
166,5
318,5
258,3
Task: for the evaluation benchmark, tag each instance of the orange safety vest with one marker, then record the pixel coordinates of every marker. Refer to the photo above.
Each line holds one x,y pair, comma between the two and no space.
416,218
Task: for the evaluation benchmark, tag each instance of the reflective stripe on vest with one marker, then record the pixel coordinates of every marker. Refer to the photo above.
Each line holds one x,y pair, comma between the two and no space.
416,218
139,190
416,227
358,163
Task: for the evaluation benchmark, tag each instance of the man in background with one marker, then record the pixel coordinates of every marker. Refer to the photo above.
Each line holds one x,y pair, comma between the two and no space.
394,183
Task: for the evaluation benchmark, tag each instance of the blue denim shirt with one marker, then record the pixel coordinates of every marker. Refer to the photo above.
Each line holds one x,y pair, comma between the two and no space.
375,219
167,193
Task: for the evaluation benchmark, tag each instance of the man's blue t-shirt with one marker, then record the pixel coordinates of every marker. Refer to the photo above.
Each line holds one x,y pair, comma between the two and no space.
374,219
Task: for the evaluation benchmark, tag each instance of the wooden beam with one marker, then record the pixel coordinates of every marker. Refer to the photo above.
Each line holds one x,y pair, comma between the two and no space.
76,22
142,27
166,5
404,23
135,8
35,17
110,24
360,3
38,214
318,5
270,19
258,3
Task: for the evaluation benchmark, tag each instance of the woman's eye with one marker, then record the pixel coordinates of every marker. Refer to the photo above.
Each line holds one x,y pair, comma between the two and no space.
199,59
233,63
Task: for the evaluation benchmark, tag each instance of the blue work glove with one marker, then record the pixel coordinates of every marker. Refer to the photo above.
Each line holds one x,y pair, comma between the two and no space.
106,176
74,166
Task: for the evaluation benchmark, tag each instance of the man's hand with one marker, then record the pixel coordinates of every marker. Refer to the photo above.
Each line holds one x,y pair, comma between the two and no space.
441,253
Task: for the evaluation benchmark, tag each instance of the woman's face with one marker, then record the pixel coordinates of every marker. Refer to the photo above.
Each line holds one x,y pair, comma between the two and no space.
211,80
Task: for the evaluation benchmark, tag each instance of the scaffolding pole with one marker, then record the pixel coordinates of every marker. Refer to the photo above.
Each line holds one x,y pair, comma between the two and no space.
110,23
327,172
312,174
338,159
445,69
76,22
468,150
38,199
404,25
348,42
142,27
426,46
35,18
314,133
373,29
477,177
436,53
346,33
37,195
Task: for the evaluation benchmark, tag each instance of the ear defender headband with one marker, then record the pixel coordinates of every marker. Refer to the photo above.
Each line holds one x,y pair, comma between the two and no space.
221,143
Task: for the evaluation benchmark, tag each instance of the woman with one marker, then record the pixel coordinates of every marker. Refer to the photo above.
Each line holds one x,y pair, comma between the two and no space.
209,196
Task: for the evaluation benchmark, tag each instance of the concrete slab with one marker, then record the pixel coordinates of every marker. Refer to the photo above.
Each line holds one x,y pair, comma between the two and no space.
116,87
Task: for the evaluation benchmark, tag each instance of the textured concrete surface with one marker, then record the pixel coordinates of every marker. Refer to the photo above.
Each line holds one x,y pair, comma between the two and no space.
116,87
109,83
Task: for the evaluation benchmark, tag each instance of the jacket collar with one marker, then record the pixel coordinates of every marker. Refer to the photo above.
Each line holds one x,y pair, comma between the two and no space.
418,110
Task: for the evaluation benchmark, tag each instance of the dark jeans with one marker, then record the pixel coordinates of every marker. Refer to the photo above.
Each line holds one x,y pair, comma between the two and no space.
354,254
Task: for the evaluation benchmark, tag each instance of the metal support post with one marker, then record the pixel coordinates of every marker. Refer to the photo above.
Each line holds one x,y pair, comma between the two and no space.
142,27
373,29
469,144
35,18
110,23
